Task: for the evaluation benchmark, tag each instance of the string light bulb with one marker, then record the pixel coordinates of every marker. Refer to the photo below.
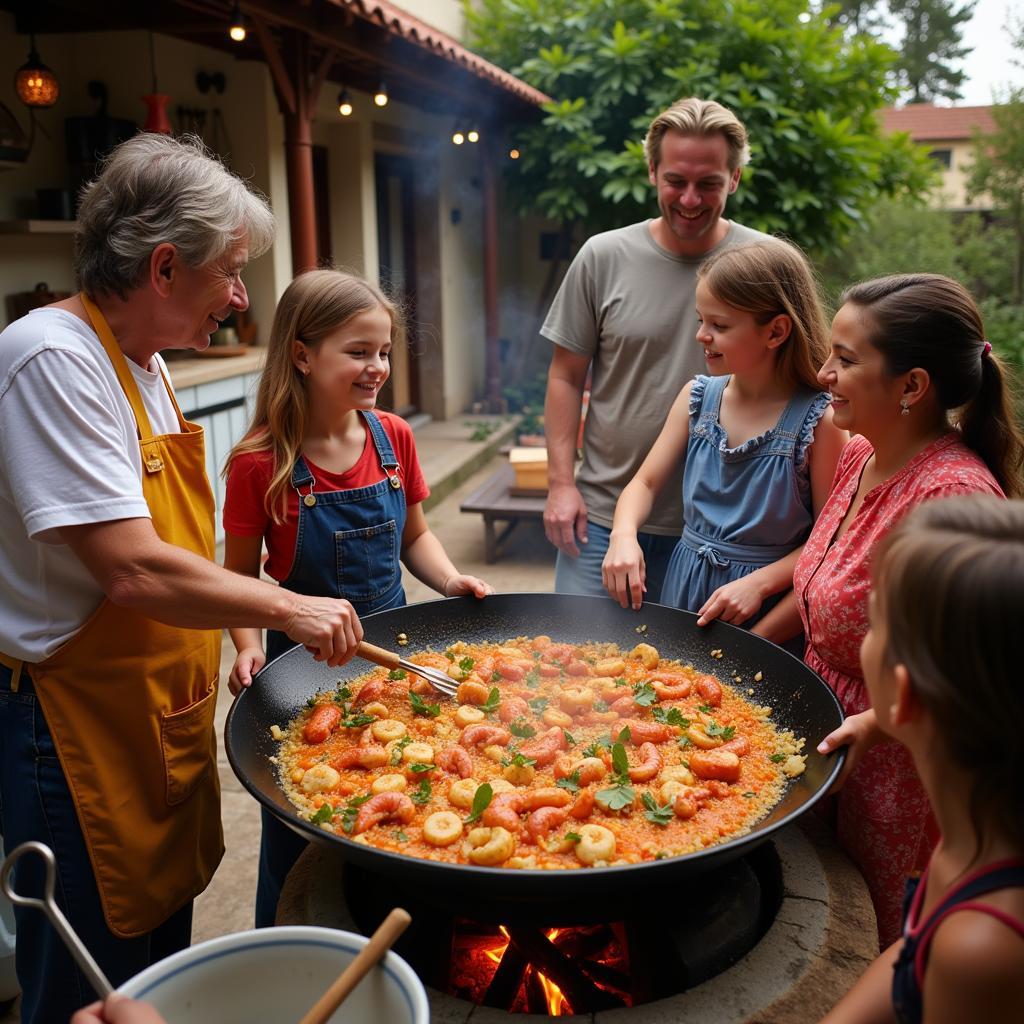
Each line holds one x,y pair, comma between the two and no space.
35,84
458,138
472,135
236,27
380,97
514,154
344,103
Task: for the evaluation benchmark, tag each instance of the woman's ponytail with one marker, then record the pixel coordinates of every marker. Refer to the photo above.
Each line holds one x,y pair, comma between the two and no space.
988,427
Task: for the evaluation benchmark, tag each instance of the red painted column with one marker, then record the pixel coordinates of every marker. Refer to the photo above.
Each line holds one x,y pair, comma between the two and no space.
492,360
298,149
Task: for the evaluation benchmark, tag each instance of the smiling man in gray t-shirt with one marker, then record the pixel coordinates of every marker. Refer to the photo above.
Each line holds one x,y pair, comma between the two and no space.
626,311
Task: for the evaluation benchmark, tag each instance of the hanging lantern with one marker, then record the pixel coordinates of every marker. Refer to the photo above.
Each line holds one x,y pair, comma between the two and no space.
35,84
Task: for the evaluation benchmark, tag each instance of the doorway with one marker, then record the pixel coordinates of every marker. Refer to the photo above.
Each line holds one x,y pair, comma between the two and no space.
396,240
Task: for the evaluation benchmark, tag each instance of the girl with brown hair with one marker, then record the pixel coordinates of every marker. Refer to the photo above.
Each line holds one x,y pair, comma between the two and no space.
333,487
942,670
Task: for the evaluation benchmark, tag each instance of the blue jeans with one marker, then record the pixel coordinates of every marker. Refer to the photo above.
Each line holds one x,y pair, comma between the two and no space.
35,803
583,575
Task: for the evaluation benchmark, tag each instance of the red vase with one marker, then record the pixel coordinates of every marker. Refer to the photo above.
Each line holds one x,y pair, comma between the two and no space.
156,114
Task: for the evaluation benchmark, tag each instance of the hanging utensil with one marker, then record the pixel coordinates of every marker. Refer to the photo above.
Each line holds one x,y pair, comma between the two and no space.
380,942
388,659
48,905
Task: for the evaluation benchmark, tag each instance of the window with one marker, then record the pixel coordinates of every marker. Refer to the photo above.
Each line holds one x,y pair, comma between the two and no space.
943,157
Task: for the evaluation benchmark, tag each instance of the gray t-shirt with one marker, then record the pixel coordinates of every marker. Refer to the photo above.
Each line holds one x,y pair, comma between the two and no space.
629,304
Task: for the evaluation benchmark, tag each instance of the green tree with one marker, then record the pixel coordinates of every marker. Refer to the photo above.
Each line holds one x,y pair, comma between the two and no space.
808,96
931,47
998,169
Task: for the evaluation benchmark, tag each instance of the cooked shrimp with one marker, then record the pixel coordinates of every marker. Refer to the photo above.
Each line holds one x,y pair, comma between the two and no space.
624,706
546,748
710,689
373,690
322,722
583,805
512,708
715,764
543,820
649,766
484,735
669,687
390,806
361,757
645,732
740,745
503,811
455,761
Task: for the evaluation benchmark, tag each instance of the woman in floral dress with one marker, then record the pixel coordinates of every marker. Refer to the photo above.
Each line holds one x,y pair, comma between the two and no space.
907,351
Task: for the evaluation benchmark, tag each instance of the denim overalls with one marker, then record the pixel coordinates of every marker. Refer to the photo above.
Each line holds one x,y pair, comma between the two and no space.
348,545
743,507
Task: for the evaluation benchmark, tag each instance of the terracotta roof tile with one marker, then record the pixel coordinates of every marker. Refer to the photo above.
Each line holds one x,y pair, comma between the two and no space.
403,24
927,123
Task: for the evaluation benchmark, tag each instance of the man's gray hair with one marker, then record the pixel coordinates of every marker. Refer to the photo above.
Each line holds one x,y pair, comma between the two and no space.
703,118
153,189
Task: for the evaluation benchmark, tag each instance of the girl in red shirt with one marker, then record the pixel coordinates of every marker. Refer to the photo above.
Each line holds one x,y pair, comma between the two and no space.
333,487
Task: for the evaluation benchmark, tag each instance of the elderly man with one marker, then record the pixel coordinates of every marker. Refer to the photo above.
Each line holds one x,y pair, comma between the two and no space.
112,607
625,311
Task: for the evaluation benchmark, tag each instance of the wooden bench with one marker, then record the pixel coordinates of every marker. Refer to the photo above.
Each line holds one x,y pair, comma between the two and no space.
495,502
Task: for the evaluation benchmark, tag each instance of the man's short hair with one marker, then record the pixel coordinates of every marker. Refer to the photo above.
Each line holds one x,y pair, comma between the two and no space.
694,116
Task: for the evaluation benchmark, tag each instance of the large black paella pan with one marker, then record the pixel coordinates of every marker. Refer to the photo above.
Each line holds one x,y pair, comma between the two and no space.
801,701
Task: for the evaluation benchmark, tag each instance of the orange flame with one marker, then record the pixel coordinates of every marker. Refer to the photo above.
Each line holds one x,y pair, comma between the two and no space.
558,1005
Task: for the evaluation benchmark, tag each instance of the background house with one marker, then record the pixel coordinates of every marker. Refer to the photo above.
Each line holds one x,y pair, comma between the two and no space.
343,113
948,133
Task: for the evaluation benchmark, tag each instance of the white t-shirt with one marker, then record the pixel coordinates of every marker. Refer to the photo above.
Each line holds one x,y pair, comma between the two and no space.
69,455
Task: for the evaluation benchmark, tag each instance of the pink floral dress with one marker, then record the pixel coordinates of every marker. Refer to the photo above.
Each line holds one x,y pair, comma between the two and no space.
884,821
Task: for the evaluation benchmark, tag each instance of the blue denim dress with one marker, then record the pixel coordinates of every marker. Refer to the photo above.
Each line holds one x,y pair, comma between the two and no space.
348,545
743,507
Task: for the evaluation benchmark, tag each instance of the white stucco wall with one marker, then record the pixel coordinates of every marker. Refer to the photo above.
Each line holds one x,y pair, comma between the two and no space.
443,14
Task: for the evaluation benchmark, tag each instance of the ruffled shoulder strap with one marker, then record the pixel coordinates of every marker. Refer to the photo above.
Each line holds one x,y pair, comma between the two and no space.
819,401
706,398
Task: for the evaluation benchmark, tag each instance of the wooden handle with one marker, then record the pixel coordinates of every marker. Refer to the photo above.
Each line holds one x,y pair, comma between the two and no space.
377,655
380,942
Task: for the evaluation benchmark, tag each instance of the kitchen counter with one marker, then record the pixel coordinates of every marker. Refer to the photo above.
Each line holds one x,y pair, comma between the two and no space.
186,373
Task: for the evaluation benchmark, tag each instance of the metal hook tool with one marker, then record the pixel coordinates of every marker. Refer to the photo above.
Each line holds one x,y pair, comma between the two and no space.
48,905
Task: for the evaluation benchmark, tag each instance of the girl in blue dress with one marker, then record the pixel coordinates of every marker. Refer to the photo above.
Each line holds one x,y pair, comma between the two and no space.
331,486
758,441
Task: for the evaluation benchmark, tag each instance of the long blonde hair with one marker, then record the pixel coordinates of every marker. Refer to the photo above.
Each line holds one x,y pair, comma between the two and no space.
766,279
313,306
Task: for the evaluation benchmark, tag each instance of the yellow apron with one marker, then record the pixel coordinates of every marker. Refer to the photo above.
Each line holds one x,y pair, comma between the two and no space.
130,703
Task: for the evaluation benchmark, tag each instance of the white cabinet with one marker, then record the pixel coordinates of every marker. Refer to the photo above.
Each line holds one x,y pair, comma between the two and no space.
224,409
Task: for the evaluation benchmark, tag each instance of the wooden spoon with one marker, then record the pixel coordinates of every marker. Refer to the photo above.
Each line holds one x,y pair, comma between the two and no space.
380,942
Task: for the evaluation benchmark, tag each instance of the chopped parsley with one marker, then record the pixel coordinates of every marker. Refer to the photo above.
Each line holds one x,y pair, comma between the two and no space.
538,704
311,703
496,676
420,707
423,792
603,742
644,695
449,655
521,728
532,678
493,700
622,794
570,782
357,721
324,814
625,736
659,814
343,691
748,794
569,738
777,758
670,716
481,800
573,837
466,665
714,729
419,768
600,705
705,708
684,742
348,815
396,674
401,836
396,750
518,760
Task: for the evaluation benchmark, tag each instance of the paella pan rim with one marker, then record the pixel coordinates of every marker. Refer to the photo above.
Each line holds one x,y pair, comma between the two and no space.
797,695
